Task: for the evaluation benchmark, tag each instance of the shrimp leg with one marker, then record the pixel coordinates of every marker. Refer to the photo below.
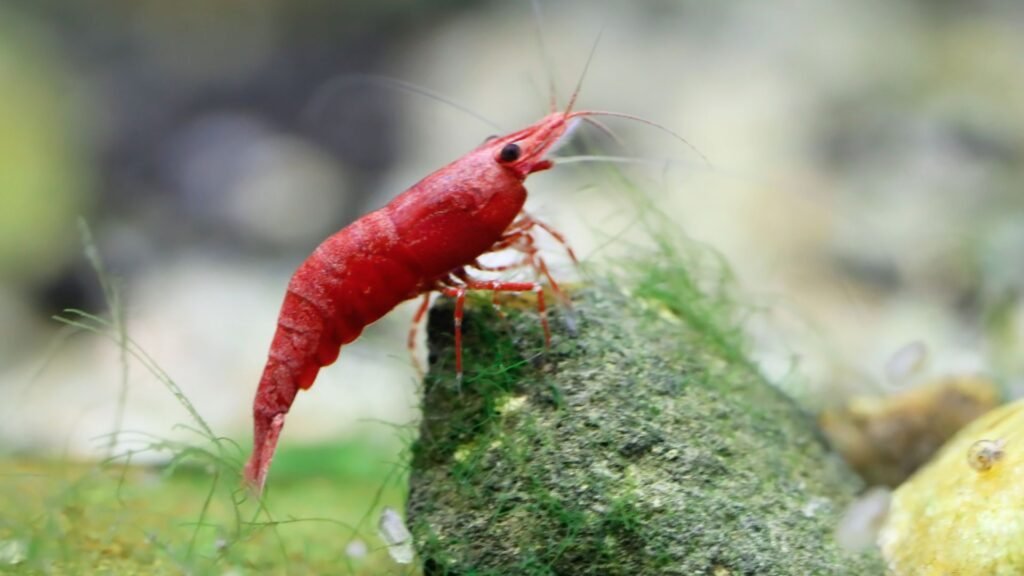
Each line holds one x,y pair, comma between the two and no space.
459,293
411,341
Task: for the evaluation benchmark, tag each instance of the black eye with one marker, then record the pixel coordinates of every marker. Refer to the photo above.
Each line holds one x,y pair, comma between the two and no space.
510,153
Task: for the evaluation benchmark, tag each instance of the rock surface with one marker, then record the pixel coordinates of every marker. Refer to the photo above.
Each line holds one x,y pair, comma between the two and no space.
962,513
644,444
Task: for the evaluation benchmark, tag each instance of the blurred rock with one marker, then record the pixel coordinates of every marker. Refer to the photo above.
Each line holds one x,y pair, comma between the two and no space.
240,177
954,517
208,324
887,438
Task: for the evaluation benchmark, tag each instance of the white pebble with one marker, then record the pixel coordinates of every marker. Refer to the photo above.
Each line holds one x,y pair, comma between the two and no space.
13,552
906,363
859,526
394,533
356,549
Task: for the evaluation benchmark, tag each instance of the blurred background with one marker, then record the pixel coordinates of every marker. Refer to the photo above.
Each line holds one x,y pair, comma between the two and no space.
865,179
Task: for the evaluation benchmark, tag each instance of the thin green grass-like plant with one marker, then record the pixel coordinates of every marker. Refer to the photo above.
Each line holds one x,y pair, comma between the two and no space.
218,460
112,296
227,520
690,280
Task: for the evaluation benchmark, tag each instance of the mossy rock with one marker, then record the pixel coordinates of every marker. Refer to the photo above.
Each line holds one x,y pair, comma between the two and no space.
636,446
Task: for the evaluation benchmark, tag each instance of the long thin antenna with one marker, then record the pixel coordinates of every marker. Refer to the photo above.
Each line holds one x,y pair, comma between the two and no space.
605,129
545,56
649,123
318,103
579,83
560,160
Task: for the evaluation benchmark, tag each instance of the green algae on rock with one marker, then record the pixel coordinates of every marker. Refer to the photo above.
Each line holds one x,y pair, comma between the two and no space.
639,445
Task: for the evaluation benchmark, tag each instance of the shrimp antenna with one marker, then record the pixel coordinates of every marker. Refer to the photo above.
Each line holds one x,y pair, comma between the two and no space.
609,159
586,66
318,103
649,123
545,55
605,130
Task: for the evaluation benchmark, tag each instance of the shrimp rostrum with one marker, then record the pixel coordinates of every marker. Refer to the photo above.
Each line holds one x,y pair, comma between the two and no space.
427,239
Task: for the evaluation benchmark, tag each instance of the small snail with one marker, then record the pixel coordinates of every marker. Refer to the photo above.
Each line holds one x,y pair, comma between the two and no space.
983,454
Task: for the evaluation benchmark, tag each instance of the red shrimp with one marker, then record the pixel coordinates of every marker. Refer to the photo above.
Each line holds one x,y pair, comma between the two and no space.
427,239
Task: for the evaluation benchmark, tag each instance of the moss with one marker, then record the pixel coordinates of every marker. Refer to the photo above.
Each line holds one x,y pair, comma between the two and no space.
646,443
108,518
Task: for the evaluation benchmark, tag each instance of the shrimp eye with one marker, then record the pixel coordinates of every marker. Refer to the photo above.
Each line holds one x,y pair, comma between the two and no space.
510,153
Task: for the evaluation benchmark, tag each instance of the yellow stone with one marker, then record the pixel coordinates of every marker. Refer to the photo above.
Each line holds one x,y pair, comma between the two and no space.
963,513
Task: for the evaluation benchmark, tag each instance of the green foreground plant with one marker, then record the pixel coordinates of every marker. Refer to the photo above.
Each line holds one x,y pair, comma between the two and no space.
160,506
